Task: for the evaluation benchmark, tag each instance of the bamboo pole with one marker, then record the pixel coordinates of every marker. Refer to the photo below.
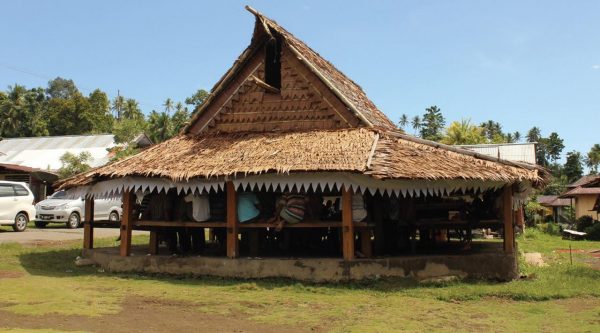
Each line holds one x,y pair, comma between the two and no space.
127,223
88,224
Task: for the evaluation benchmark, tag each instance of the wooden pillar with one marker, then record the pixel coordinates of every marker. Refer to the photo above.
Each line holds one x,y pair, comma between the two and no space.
127,223
232,222
153,244
507,216
347,225
88,224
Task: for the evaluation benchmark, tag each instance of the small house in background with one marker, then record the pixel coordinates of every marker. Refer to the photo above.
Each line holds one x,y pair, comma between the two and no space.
556,207
584,193
515,152
36,160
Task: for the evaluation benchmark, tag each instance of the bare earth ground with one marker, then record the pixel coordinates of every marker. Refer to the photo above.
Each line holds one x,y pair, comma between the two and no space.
147,315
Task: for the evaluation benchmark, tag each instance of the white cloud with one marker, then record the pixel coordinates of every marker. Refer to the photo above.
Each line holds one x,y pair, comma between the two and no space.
596,67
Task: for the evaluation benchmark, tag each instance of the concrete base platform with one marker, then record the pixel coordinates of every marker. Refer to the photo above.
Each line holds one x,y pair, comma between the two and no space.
490,264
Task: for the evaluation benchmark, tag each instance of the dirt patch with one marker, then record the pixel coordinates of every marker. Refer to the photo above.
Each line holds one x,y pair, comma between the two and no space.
10,274
146,315
575,305
535,259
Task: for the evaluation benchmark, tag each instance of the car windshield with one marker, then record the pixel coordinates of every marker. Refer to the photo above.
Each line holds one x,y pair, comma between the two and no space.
58,195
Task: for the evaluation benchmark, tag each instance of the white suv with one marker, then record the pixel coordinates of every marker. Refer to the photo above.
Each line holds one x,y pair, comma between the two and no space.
59,209
16,205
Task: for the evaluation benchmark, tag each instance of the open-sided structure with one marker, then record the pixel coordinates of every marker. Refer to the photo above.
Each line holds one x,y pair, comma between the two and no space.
283,119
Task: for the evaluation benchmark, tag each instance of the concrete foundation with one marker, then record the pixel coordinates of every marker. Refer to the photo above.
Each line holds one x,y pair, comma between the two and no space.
492,265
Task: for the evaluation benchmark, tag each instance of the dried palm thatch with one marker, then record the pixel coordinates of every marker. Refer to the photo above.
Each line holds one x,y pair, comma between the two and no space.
381,154
349,93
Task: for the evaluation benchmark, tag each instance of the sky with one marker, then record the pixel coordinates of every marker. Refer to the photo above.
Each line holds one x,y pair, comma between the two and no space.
521,63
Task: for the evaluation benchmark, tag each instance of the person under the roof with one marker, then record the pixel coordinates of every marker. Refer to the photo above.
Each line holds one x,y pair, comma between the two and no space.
248,207
291,208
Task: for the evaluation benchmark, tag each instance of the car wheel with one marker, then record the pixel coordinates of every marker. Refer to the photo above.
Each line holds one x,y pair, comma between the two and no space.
113,217
74,221
40,224
21,221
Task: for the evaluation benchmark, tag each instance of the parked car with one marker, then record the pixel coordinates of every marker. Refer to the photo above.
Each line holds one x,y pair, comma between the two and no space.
59,209
16,205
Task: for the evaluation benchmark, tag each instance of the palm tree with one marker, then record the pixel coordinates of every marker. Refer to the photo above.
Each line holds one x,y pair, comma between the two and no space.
463,133
403,121
159,126
117,106
131,109
517,136
168,105
593,158
416,124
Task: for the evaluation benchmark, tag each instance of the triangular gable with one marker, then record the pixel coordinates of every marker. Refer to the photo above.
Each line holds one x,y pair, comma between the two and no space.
313,94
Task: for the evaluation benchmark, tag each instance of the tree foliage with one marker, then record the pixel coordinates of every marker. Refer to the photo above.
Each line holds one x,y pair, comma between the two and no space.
74,164
573,168
463,133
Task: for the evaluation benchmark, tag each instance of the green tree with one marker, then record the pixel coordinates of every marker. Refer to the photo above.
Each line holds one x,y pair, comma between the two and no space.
169,105
70,116
592,160
463,133
159,126
416,123
403,121
117,106
534,135
432,124
131,109
74,164
61,88
555,146
102,119
573,168
125,130
517,136
197,99
180,117
493,131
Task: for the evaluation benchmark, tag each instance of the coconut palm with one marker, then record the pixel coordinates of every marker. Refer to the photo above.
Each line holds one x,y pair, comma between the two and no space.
168,105
403,121
463,133
416,124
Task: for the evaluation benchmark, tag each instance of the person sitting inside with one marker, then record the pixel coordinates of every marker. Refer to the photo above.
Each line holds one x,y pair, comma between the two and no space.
248,207
291,209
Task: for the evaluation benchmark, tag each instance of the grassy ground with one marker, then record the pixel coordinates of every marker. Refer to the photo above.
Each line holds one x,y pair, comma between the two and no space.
43,282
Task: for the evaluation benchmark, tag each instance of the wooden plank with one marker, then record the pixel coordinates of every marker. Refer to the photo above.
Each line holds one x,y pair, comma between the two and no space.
253,225
507,216
153,244
366,246
88,224
232,222
127,221
347,225
186,224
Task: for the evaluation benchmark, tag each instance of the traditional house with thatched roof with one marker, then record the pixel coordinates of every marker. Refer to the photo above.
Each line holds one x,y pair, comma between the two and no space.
283,119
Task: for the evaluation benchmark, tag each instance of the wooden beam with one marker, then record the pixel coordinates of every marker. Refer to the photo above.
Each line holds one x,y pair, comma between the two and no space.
88,224
127,221
507,217
232,222
347,225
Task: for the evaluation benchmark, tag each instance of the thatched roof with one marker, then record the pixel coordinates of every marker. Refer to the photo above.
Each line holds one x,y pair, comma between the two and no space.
349,93
380,154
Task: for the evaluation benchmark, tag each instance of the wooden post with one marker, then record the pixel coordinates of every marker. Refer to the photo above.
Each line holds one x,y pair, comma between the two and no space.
232,222
347,225
127,223
88,224
153,244
507,216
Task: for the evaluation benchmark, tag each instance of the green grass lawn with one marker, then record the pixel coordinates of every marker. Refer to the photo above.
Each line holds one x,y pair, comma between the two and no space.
559,298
